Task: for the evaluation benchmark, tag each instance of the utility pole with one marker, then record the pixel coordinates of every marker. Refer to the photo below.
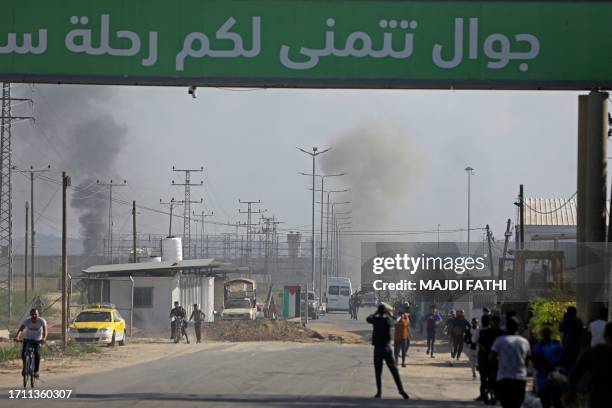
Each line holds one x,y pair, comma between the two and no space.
25,258
502,260
489,239
470,172
522,215
32,172
65,185
110,186
248,224
203,215
187,208
7,119
134,231
170,203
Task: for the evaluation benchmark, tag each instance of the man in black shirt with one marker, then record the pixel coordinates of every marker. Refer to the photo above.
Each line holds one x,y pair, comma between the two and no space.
597,361
382,323
488,369
572,330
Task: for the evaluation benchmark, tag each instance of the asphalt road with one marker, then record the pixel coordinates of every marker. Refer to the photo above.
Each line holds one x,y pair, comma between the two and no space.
270,374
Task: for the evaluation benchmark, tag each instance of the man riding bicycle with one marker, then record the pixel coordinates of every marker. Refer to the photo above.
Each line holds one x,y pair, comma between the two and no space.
179,312
36,334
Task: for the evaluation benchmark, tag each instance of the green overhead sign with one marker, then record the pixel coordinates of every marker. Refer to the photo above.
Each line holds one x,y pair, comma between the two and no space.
309,43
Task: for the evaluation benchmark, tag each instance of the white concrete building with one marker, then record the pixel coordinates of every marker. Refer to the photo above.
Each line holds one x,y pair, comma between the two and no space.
145,292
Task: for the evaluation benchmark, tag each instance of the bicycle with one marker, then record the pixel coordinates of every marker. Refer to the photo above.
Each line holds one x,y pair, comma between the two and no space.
29,362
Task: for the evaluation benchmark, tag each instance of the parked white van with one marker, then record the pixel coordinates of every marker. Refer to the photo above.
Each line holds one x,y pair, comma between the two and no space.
339,290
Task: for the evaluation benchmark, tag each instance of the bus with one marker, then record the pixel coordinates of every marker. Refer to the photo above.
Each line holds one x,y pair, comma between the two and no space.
339,291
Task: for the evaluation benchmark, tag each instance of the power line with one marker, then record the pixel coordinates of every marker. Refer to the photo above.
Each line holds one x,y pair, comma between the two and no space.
569,200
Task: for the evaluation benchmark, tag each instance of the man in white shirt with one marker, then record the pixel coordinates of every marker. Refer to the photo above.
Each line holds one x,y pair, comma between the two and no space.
511,351
597,328
35,333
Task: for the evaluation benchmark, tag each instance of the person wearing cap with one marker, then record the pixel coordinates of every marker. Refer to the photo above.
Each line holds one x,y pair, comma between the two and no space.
382,322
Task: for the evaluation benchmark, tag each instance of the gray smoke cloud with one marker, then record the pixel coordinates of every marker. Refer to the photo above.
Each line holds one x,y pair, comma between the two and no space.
74,122
380,164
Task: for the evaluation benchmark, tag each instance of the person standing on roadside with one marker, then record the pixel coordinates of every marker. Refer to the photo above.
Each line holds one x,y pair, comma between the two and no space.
431,322
572,329
401,340
512,352
382,322
197,316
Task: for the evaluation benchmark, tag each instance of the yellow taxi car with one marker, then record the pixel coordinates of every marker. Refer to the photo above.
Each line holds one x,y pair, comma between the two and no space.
99,323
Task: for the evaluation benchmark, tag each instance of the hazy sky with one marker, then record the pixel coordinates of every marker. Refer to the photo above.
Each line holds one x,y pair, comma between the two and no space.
415,144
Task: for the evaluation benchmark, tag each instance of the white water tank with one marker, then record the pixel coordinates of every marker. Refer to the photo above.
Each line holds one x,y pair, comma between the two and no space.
172,249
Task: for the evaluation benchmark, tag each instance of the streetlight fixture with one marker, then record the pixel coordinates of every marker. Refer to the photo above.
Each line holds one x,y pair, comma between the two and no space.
314,154
470,171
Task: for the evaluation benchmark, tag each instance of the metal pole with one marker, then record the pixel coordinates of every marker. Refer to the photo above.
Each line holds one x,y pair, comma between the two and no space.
522,215
592,185
321,246
32,268
65,184
132,309
326,247
134,260
306,304
490,251
25,258
469,173
170,228
110,222
313,221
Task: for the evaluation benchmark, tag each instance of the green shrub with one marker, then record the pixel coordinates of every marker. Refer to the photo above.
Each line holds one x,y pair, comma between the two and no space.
10,353
548,312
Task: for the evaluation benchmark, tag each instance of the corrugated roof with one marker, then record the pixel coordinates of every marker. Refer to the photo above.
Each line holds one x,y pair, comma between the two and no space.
156,266
550,211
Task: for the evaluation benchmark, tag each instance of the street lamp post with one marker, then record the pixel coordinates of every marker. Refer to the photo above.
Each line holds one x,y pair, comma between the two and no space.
314,154
322,202
470,172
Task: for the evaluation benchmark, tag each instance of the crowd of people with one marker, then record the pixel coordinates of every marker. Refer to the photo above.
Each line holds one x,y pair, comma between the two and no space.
504,351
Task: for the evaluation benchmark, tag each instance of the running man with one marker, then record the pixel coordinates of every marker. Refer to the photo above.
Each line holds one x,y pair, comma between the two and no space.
431,322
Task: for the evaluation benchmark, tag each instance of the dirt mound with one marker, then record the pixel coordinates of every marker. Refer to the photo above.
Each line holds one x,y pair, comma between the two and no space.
259,330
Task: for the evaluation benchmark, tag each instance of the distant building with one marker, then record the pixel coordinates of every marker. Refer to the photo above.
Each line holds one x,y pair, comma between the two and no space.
147,291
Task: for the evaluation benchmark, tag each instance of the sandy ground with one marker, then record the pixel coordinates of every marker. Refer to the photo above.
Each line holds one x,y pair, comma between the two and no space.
139,350
110,358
